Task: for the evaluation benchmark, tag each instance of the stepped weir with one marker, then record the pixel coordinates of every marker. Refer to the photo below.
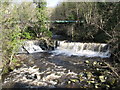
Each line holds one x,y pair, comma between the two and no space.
82,49
70,48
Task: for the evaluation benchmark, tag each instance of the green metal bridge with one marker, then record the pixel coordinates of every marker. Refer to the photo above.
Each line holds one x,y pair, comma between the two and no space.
62,21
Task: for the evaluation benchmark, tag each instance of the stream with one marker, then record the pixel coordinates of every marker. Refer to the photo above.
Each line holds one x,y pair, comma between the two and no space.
60,68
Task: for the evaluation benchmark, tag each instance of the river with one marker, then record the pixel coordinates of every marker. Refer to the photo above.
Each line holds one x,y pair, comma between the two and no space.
60,69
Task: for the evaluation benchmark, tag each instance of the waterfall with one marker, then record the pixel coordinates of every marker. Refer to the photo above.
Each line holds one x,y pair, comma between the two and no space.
82,49
30,47
70,48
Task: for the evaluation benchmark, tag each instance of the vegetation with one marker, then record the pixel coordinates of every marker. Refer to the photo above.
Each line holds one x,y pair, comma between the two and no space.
42,17
18,22
97,22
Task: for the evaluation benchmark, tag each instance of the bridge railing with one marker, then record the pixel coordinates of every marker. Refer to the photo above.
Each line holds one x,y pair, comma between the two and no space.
62,21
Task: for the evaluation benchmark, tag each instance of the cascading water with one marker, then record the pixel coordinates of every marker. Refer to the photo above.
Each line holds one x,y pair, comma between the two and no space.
52,70
82,49
30,47
71,48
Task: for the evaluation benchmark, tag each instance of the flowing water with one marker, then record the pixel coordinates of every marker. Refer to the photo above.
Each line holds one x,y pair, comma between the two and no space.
83,49
52,69
30,47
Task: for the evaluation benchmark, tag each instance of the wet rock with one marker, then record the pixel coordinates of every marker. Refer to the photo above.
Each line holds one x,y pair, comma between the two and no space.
97,73
102,78
87,62
94,63
102,64
81,74
91,82
111,81
74,80
38,77
89,75
97,85
35,76
46,73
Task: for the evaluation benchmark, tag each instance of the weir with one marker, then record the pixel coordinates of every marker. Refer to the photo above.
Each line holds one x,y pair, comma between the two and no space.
70,48
30,47
82,49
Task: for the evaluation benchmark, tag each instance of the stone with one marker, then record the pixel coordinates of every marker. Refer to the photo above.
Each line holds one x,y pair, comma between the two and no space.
74,80
87,61
102,78
35,76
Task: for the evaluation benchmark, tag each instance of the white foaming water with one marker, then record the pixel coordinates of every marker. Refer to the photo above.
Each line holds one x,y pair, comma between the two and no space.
31,47
47,77
82,49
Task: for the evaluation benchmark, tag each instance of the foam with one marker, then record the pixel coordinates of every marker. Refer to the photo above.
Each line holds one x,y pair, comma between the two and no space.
82,49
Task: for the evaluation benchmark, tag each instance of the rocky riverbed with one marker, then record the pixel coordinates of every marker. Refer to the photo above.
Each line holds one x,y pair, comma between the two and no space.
45,70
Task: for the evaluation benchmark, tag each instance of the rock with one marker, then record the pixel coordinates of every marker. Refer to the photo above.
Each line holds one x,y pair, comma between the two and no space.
102,78
87,61
89,82
97,69
108,86
111,81
89,75
74,80
94,63
97,73
38,77
97,85
82,79
80,74
69,82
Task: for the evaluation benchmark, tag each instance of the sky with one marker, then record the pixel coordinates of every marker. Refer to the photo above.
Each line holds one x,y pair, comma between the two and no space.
52,3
